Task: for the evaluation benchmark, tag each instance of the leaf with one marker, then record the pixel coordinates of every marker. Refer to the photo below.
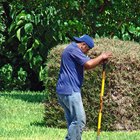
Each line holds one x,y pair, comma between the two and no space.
132,29
126,36
24,39
37,60
97,36
20,22
28,28
21,16
28,17
123,29
35,44
41,73
138,31
22,74
12,27
18,34
28,55
115,37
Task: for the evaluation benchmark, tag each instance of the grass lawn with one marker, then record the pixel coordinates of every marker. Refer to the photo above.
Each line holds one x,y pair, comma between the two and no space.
21,118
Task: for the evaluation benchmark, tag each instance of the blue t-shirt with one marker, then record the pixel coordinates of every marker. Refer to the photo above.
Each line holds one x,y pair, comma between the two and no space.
71,70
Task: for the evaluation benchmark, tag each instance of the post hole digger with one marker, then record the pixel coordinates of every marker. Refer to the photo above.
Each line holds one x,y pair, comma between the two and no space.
101,101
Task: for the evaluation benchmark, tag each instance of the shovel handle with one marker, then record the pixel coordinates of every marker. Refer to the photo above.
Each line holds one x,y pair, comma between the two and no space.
104,65
101,100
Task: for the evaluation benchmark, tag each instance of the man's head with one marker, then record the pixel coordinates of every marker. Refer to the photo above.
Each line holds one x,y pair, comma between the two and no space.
85,38
85,43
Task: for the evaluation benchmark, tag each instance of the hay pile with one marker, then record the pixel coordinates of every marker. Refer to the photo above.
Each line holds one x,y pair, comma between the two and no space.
121,109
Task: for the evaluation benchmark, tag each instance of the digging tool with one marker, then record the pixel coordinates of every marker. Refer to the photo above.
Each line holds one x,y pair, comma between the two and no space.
101,101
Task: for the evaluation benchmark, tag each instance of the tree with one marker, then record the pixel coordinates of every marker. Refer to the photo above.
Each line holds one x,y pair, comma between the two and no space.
29,29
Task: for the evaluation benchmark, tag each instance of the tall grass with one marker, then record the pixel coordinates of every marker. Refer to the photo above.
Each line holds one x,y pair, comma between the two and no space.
21,118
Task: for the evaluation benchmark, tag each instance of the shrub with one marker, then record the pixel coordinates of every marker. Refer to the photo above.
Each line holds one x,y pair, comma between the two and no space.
9,80
121,100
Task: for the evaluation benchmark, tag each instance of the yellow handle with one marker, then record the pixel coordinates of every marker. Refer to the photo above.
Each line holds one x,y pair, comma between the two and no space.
103,84
99,120
101,102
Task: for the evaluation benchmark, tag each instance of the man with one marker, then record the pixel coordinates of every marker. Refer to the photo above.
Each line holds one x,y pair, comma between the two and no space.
73,63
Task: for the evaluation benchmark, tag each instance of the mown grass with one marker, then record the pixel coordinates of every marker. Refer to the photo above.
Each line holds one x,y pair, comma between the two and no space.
21,118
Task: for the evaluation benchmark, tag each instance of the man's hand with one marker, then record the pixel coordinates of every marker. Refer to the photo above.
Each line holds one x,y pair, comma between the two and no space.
106,55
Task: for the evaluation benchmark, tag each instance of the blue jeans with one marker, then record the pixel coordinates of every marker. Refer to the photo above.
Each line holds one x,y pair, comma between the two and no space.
74,114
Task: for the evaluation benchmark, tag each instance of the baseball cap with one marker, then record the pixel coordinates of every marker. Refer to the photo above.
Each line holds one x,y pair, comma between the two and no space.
85,38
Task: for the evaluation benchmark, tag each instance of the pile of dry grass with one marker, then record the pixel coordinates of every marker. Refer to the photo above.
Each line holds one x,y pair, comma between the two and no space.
121,109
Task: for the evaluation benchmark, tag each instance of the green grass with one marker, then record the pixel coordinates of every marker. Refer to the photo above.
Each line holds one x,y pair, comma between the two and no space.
21,118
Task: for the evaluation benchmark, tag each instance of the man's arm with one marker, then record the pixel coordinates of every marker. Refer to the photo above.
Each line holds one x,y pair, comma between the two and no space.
92,63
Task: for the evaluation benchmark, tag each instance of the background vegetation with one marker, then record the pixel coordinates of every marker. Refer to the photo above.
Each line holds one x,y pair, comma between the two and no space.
121,100
29,29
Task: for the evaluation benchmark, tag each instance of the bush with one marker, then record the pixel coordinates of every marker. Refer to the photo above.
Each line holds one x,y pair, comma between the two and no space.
121,99
9,80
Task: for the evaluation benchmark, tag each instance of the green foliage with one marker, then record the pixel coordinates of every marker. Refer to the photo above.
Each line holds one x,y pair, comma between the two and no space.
121,100
104,18
8,82
6,74
28,44
29,29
